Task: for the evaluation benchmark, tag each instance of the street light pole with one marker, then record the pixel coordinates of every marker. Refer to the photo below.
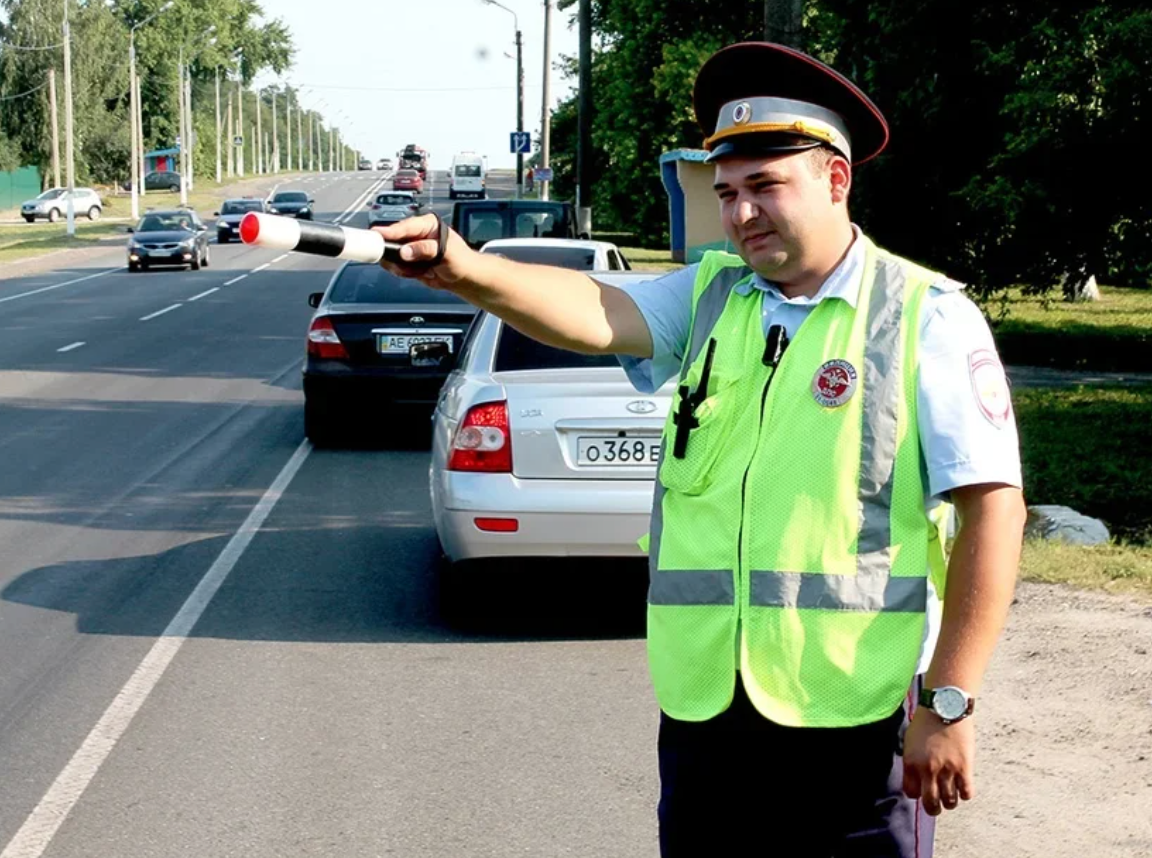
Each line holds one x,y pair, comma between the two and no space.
519,92
219,153
546,108
69,145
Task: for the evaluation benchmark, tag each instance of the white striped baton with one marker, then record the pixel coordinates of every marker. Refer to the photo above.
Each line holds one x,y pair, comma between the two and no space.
327,239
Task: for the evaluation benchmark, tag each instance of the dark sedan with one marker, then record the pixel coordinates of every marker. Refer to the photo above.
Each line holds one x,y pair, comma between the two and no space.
176,237
291,204
377,341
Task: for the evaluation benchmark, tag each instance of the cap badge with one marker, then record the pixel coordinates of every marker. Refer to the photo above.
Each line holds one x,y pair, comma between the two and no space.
834,384
741,113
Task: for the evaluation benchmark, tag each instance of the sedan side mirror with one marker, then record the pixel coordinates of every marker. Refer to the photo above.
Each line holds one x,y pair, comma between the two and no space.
429,354
311,201
314,299
129,229
215,214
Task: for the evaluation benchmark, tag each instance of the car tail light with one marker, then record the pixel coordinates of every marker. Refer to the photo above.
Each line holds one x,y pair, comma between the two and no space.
497,525
483,442
323,341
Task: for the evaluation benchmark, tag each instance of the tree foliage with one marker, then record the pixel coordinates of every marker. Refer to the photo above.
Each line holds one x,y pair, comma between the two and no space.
1002,114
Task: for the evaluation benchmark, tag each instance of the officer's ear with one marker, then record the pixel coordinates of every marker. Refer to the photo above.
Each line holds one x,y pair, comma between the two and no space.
840,178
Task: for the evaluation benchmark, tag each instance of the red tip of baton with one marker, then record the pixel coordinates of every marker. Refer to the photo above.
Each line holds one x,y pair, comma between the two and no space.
249,228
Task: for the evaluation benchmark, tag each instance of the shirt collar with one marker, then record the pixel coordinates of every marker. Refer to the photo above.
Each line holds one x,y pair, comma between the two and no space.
844,281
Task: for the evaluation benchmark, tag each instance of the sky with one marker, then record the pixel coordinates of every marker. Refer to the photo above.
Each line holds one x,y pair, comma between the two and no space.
429,72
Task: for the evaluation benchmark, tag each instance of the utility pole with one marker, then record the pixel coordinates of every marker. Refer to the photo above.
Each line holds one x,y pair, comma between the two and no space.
190,123
56,183
288,128
240,122
584,119
546,110
299,139
231,138
142,188
182,148
260,165
68,129
331,151
311,142
784,22
275,138
219,152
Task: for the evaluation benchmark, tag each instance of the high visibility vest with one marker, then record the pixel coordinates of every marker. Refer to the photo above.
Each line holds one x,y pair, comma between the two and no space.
791,542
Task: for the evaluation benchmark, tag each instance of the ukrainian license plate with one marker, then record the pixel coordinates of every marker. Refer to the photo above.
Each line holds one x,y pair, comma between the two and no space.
399,344
613,451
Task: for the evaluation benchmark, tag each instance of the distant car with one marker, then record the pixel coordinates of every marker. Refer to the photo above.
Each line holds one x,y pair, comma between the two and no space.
365,164
578,254
53,205
542,452
158,180
384,164
231,213
172,237
392,206
362,346
407,180
295,204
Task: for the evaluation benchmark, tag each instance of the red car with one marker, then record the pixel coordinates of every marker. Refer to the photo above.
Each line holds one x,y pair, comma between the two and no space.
407,180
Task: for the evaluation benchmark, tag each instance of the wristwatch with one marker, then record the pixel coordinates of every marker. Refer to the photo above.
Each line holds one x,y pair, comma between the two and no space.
949,702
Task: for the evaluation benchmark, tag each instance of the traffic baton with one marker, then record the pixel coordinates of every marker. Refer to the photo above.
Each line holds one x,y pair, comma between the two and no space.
277,232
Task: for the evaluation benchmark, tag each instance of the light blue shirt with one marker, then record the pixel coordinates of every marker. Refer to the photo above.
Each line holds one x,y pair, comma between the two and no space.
961,442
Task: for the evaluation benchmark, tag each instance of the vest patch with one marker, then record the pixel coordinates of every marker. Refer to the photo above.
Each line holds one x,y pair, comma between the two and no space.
834,384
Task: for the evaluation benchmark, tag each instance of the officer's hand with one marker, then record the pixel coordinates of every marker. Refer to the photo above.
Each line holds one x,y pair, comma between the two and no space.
938,761
418,235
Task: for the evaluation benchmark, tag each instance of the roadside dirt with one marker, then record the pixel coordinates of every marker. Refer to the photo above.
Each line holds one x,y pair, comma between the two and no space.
1064,727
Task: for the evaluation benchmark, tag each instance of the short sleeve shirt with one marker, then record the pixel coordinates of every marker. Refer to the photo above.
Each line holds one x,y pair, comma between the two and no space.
967,429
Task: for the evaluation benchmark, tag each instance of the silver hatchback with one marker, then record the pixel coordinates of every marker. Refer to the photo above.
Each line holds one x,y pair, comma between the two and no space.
53,205
541,452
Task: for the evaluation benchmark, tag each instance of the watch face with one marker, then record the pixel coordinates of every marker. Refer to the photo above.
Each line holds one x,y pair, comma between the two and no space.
949,703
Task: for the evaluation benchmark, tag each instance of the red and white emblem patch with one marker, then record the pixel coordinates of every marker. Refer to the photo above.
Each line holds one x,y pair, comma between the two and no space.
834,384
990,386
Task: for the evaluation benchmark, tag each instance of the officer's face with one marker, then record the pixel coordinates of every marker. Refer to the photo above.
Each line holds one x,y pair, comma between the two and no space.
777,211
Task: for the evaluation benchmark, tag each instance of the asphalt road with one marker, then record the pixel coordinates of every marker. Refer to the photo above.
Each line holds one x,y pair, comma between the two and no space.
218,642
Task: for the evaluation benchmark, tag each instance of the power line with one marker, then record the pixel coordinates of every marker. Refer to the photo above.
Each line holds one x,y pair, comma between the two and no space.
6,46
22,94
407,89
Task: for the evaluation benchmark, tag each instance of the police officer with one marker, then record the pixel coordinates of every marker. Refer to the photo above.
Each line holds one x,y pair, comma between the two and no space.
815,654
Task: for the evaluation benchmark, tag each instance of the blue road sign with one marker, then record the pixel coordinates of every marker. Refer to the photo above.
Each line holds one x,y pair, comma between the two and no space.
521,142
543,174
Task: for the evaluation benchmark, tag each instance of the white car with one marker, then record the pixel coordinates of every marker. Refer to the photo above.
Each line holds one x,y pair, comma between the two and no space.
541,452
576,253
392,206
53,205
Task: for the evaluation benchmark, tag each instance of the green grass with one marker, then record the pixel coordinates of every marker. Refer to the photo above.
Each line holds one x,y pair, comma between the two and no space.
1113,334
1116,568
1090,449
642,259
21,242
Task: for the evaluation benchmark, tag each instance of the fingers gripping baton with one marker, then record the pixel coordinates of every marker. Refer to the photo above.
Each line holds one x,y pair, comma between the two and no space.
329,239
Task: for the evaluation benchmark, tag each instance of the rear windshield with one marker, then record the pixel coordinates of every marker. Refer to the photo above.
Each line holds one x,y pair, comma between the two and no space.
406,173
394,200
577,258
468,171
516,351
291,197
483,225
371,284
242,206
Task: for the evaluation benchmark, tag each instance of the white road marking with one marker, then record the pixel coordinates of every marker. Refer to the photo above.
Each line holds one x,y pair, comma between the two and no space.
72,347
59,285
160,312
45,820
280,257
204,294
261,267
353,209
235,279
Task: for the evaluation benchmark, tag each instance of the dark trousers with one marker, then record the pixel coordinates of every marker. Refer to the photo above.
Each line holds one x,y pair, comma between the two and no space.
742,785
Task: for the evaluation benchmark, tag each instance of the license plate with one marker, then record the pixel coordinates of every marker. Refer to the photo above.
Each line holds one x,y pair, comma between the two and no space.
397,344
609,451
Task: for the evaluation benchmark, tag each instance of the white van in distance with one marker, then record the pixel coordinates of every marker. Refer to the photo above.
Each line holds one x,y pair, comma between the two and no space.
468,176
